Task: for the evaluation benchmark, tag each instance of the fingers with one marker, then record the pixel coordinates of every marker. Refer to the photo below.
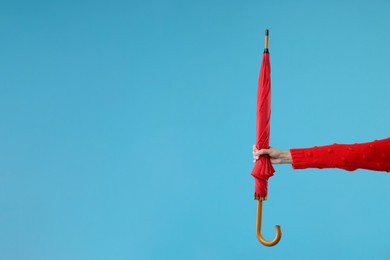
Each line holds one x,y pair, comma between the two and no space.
258,153
255,151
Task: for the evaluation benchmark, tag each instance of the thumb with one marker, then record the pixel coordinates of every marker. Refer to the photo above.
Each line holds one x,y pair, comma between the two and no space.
265,151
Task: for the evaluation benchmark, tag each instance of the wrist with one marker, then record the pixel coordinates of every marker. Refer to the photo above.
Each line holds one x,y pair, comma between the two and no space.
286,157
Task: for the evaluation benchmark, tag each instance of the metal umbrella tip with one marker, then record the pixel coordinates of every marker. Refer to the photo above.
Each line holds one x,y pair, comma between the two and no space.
266,32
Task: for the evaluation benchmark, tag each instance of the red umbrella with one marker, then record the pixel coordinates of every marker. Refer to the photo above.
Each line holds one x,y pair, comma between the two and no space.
263,168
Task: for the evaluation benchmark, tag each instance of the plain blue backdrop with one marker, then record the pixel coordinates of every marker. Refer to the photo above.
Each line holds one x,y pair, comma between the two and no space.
126,128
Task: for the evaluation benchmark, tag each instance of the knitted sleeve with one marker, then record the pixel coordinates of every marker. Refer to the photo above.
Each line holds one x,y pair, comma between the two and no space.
371,156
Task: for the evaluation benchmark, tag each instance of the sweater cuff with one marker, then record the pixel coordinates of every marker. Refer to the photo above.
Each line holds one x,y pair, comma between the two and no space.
298,157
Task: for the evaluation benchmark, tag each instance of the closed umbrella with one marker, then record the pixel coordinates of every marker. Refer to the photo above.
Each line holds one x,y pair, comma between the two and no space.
263,168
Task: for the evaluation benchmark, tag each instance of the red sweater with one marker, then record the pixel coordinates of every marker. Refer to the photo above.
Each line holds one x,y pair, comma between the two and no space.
371,156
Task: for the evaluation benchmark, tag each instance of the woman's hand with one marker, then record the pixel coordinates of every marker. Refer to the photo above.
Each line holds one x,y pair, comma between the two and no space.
276,156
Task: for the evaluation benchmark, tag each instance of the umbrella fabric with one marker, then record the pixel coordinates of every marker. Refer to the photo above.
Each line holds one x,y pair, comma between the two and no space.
263,168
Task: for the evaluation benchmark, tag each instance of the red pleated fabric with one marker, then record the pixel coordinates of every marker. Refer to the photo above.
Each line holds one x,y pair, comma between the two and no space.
263,168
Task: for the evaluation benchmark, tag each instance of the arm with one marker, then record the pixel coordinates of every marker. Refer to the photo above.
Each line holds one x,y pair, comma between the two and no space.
371,156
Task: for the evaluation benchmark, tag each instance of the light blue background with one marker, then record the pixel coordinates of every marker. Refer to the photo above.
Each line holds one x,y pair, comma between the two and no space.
126,128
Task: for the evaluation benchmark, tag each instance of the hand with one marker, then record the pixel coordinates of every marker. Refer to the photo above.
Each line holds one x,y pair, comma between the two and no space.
276,156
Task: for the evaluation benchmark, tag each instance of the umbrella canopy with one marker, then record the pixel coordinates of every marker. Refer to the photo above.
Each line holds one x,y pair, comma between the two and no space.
263,168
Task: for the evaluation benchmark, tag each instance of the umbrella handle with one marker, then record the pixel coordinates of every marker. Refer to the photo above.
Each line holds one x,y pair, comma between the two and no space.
258,228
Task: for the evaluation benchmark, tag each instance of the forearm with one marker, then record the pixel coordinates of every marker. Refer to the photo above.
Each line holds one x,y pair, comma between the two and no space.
371,156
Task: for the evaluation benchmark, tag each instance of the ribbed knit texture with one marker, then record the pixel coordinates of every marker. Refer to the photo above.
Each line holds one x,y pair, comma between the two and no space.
371,156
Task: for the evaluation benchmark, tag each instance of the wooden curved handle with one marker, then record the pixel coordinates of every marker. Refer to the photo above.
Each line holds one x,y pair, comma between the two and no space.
260,237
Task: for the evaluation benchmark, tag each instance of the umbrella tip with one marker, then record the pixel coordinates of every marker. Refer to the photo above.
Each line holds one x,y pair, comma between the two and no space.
266,41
